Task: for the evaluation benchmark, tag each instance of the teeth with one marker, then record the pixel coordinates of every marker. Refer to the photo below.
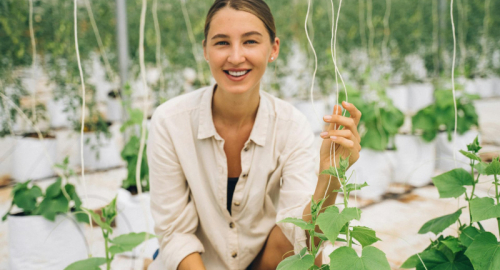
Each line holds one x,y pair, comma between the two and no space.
237,73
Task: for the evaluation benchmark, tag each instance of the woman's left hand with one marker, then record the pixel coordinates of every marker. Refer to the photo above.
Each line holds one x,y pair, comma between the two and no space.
346,141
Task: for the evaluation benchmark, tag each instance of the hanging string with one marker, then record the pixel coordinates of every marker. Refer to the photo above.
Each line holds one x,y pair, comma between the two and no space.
453,84
484,39
387,30
33,64
82,161
362,32
158,45
435,36
371,34
185,13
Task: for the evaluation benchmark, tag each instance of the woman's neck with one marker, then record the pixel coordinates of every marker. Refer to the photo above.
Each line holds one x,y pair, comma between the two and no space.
235,110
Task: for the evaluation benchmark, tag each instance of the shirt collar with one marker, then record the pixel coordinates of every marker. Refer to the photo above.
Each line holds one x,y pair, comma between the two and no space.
206,128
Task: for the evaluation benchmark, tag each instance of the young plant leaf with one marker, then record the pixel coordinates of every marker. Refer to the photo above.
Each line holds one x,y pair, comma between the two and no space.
87,264
435,259
364,235
352,187
297,262
470,155
468,235
493,168
331,221
411,262
127,242
484,208
484,252
335,172
50,207
98,220
439,224
451,184
54,189
346,258
474,146
26,198
453,244
481,167
298,222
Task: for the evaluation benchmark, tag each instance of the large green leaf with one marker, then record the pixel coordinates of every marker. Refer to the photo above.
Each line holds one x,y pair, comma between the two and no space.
481,167
127,242
484,208
451,184
26,198
468,235
364,235
298,222
436,260
331,221
439,224
470,155
87,264
300,261
484,252
54,189
50,207
453,244
345,258
493,168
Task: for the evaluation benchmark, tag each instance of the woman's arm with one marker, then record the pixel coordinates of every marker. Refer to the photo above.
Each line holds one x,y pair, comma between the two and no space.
192,262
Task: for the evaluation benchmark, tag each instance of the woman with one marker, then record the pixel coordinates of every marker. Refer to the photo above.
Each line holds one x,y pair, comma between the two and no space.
228,161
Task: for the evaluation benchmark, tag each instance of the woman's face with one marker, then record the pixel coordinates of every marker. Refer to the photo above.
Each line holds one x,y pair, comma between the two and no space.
238,48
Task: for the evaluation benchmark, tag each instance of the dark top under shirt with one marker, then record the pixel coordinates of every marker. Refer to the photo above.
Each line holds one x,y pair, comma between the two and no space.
231,185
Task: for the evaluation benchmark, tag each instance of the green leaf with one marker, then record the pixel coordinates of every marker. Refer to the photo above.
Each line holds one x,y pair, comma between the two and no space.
451,184
411,262
468,235
474,146
50,207
331,221
470,155
484,208
54,189
297,262
484,252
98,220
439,224
344,163
481,167
435,259
345,258
352,187
26,198
298,222
127,242
364,235
335,172
109,211
453,244
87,264
493,168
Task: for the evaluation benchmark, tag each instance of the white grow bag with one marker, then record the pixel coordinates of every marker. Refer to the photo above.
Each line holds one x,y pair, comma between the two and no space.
33,159
58,117
374,168
415,160
420,96
37,243
108,157
444,150
131,218
114,109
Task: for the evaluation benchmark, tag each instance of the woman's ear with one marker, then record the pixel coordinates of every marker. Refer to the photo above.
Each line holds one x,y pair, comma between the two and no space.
275,48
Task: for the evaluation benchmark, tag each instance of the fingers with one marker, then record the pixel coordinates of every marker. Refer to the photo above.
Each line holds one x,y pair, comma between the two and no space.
339,120
343,137
355,113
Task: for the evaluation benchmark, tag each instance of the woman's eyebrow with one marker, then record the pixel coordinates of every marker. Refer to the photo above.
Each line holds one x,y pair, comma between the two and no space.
244,35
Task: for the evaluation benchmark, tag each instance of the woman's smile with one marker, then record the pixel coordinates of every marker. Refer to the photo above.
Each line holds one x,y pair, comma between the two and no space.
237,74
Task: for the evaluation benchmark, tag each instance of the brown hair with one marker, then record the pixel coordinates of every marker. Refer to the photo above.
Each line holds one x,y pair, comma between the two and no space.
258,8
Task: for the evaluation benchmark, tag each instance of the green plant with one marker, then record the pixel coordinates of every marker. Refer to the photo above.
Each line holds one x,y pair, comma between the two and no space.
131,150
474,247
117,245
440,116
334,223
59,198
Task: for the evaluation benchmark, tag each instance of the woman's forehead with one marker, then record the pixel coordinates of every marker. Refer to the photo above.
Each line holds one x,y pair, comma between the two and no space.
231,22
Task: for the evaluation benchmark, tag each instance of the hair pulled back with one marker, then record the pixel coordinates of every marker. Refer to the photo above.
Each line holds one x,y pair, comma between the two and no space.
259,8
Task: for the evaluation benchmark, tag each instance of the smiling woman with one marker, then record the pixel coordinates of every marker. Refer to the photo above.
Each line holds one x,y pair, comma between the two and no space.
228,161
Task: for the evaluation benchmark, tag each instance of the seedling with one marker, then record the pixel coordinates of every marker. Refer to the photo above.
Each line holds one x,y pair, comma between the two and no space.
474,247
336,227
117,245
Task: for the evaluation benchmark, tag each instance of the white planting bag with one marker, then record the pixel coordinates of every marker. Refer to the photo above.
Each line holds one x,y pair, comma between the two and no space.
58,117
420,96
33,159
131,218
374,168
109,155
37,243
415,160
444,150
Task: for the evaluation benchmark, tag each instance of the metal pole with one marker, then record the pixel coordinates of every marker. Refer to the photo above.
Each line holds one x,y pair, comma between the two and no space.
122,40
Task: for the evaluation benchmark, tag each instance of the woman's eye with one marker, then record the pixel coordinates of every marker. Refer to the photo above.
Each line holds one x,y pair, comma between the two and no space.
221,43
252,41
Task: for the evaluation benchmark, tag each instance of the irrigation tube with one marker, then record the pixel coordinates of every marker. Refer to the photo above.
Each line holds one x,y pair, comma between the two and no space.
453,84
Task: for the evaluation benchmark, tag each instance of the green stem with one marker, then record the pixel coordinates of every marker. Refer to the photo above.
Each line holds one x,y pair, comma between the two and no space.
346,204
108,261
472,193
497,197
348,235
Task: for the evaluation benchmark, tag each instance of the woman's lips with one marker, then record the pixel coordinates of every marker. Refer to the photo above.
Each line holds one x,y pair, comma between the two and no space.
236,79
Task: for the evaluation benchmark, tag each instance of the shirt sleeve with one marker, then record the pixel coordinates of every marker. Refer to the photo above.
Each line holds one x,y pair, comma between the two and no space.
174,213
298,181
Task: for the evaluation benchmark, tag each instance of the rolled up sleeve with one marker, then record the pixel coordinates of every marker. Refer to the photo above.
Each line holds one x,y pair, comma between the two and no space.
298,181
174,213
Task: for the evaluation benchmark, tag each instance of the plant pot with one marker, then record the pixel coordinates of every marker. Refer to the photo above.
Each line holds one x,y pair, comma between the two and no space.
131,218
33,159
445,148
420,96
58,117
315,118
7,145
37,243
114,107
484,87
100,152
496,87
374,168
399,96
415,160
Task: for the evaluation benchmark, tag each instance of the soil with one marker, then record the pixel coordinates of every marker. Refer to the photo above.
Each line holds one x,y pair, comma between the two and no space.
114,94
45,135
132,190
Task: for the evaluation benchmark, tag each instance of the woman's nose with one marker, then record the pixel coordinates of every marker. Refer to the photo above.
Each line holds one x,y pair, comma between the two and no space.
236,56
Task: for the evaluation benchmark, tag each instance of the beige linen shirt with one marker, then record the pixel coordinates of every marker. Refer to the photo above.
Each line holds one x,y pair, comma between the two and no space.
188,178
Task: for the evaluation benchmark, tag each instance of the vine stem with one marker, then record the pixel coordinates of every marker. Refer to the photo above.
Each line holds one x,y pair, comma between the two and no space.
108,261
498,200
473,189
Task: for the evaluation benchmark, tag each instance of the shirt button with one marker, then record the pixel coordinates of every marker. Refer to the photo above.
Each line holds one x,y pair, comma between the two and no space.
234,254
246,149
231,225
245,175
237,203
